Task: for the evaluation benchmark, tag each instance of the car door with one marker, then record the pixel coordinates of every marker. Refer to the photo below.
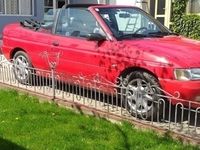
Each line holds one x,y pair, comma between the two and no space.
35,44
78,55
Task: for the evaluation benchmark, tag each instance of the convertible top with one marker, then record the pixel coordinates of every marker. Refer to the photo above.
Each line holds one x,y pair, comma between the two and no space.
31,24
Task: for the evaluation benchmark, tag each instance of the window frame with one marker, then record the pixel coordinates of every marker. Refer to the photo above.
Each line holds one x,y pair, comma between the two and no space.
58,15
188,8
3,8
19,7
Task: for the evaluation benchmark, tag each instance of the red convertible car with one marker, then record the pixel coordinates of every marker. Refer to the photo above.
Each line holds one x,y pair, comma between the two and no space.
113,42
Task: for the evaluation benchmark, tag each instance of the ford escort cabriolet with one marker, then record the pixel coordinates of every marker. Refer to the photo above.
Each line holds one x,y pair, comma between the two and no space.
113,42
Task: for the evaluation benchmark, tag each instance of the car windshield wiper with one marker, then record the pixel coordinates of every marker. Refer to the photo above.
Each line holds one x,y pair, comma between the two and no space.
128,36
160,34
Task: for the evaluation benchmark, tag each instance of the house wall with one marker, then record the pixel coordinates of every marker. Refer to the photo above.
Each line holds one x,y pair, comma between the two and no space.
127,2
38,13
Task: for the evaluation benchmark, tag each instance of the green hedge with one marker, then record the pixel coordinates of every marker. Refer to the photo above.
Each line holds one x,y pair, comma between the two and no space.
187,25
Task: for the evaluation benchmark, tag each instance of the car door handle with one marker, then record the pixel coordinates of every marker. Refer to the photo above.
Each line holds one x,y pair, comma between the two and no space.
55,43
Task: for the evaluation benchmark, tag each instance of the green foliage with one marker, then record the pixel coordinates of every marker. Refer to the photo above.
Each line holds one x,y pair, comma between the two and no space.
187,25
27,124
179,7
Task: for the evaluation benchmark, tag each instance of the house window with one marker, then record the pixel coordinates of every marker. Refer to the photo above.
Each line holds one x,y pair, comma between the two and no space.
48,11
26,7
2,7
193,6
16,7
11,6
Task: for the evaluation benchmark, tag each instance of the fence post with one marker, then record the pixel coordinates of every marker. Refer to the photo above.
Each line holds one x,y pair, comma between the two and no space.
53,83
53,61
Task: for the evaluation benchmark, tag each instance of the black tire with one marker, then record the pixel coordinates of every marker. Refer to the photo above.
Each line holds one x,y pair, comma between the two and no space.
22,68
140,95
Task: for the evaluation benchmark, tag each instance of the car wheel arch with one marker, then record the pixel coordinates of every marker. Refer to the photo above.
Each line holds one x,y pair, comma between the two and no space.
127,71
15,50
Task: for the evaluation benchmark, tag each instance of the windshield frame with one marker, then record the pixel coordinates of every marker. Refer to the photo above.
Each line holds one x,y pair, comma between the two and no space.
148,16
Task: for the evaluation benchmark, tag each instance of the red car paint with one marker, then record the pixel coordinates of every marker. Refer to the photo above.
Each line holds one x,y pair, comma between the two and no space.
110,58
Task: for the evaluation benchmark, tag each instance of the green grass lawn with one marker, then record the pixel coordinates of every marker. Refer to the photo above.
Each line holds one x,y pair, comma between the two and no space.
27,124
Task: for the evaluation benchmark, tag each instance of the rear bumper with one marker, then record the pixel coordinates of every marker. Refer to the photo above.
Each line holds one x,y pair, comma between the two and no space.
189,91
1,46
6,51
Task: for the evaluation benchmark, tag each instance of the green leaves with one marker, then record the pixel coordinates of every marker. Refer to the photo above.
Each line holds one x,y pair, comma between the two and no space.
187,25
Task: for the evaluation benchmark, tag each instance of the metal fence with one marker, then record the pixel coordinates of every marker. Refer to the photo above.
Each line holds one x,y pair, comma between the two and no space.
139,103
1,58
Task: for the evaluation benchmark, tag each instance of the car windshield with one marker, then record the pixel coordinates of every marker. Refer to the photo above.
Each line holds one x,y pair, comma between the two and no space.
132,23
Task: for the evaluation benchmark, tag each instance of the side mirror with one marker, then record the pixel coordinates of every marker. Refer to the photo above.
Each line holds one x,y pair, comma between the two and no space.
95,37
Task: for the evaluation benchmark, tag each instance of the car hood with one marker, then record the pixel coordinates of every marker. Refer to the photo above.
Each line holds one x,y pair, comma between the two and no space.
174,50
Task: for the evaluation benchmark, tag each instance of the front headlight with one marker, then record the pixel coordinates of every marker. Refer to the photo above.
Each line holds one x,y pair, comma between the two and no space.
187,74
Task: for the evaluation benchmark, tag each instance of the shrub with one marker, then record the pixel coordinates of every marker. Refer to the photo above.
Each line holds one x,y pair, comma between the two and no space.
187,25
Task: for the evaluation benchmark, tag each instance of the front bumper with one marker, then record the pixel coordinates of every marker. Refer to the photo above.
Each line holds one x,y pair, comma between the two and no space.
186,92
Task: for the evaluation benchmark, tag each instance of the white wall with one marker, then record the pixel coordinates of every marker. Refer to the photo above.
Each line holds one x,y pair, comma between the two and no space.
137,3
126,2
